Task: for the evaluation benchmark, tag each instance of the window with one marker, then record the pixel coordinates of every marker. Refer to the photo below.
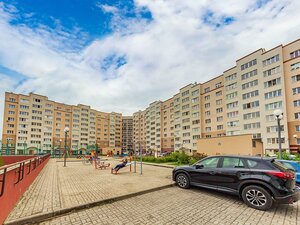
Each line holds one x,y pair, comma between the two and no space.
185,93
194,100
232,163
295,54
231,95
207,129
272,83
185,99
296,78
296,103
250,84
249,64
206,90
233,123
296,90
249,74
274,129
219,110
272,71
232,114
207,113
219,84
251,105
295,66
11,106
251,115
297,115
273,94
218,93
206,105
231,86
232,105
274,105
250,94
271,60
194,93
208,121
195,107
209,163
230,77
220,127
219,118
219,102
275,140
207,97
251,126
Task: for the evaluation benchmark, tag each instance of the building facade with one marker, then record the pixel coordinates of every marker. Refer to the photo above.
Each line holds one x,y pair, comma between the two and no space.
240,101
34,124
127,134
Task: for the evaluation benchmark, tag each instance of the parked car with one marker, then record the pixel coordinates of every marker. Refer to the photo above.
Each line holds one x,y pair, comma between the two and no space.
293,165
258,181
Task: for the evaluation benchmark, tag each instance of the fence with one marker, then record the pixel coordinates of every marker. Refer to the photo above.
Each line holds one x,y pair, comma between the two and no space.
15,178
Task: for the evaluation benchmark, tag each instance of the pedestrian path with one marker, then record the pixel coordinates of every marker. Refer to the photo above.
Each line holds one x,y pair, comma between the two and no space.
58,188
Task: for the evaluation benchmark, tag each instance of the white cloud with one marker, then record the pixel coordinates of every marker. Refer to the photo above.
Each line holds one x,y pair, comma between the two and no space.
176,48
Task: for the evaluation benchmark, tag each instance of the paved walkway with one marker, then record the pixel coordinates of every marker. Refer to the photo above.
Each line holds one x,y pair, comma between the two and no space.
177,206
59,187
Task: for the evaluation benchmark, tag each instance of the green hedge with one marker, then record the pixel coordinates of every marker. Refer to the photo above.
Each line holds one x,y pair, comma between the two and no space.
178,158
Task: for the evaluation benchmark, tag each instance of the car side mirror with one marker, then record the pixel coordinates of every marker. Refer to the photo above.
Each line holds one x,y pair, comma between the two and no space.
199,166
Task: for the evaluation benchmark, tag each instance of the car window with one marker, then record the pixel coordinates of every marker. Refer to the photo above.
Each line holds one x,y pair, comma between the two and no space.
254,164
210,162
229,162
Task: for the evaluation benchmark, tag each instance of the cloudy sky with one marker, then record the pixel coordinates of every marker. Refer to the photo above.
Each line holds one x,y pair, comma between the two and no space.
118,55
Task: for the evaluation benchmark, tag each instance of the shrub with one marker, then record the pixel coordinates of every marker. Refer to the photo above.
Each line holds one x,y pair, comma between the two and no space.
1,162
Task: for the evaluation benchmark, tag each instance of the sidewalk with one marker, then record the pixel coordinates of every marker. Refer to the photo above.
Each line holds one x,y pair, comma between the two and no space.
58,188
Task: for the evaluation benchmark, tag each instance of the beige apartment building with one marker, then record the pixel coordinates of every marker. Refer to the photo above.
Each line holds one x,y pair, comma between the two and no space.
35,124
240,101
167,125
139,130
127,134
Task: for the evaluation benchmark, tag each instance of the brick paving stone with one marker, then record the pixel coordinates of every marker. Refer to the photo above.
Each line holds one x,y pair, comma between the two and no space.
58,187
178,206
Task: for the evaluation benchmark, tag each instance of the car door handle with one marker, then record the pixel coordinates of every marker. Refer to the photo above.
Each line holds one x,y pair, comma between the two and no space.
212,172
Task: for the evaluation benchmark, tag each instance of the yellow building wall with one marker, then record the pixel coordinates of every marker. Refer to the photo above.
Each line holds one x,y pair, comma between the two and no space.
235,145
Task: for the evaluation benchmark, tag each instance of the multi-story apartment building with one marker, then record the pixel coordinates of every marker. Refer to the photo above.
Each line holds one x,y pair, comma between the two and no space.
240,101
139,130
167,125
153,126
187,117
127,134
36,124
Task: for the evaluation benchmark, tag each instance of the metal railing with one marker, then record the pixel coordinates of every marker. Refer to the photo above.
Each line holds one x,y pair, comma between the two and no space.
31,164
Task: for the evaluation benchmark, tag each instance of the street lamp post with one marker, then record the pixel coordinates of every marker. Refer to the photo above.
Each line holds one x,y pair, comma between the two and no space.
66,130
279,116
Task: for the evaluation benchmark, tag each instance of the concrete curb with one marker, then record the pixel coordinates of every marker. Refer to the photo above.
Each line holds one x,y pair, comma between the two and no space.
46,216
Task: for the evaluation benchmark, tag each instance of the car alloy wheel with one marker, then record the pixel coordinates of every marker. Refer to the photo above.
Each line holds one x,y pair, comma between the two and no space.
256,198
183,181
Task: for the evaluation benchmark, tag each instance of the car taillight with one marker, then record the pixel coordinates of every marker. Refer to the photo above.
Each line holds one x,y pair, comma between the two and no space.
282,175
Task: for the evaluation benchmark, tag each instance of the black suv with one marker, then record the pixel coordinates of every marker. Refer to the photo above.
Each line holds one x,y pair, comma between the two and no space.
258,181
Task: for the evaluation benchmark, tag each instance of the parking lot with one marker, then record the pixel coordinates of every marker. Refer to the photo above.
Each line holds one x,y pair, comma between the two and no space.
177,206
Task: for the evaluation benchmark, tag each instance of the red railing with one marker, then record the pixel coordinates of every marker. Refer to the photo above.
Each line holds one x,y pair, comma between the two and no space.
15,179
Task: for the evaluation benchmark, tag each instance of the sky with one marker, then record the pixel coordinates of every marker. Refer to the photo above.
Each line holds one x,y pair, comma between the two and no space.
117,55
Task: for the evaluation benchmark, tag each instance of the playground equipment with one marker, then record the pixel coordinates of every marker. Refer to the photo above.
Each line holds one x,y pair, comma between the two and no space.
101,165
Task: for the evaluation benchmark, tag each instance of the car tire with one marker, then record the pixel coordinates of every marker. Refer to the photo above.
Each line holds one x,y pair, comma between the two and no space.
182,181
257,197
